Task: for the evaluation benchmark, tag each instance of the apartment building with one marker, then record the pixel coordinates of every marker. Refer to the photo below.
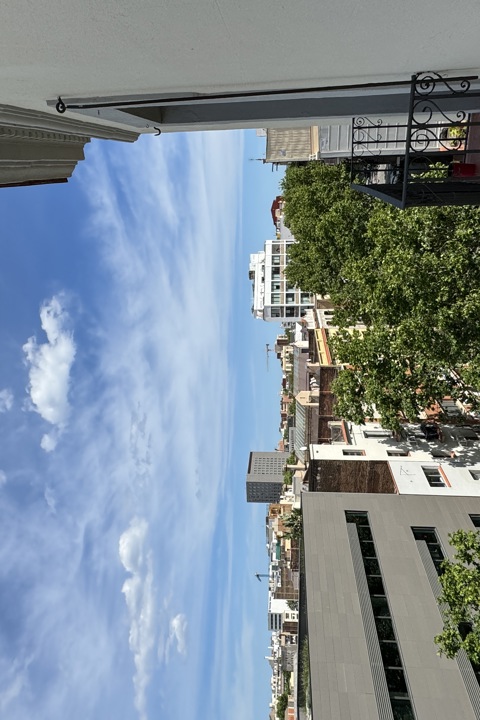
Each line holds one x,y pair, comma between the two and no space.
274,298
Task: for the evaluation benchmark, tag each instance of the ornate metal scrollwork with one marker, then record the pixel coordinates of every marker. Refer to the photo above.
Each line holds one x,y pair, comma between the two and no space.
427,83
366,132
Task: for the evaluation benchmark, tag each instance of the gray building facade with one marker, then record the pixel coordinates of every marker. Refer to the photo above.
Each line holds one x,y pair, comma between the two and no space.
372,655
265,476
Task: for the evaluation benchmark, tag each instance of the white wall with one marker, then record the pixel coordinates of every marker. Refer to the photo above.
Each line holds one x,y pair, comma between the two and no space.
118,47
407,471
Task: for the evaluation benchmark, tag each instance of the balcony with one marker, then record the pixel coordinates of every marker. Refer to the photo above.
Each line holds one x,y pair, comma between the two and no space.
433,158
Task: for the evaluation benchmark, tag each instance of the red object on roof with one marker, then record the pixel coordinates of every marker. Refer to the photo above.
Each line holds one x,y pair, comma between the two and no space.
276,206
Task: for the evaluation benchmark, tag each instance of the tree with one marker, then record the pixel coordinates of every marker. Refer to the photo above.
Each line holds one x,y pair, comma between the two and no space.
294,523
282,704
328,219
460,598
411,278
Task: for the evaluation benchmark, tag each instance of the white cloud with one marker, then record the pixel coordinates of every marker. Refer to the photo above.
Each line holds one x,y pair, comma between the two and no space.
151,428
3,478
139,597
6,400
178,630
49,368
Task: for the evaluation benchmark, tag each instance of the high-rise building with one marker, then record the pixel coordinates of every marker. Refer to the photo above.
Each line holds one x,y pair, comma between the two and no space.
371,566
274,298
265,476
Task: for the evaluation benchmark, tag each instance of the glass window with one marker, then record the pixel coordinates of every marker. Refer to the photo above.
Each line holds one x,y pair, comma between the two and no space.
390,655
396,681
376,433
290,299
398,453
402,709
475,474
371,566
276,286
384,629
364,532
276,312
275,298
291,312
353,452
375,587
433,476
380,607
275,259
475,520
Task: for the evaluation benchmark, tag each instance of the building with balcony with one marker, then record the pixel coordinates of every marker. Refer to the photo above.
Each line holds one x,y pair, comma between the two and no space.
274,299
153,67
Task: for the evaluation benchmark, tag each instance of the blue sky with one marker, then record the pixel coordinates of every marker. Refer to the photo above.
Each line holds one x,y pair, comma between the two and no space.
133,384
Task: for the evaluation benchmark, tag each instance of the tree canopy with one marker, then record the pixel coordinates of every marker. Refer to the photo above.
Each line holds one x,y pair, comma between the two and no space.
411,278
460,598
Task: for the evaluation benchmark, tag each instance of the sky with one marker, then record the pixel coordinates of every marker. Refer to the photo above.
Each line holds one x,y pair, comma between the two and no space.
133,385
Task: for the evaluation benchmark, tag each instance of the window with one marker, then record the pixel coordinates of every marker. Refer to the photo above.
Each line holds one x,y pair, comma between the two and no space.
433,476
353,452
398,453
275,298
276,272
305,299
392,662
475,520
276,286
378,432
475,474
290,298
429,536
291,312
276,312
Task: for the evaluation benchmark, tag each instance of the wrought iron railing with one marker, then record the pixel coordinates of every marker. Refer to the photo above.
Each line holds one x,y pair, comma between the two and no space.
430,158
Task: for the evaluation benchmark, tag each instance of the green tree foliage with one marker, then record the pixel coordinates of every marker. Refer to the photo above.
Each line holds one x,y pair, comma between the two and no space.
460,598
282,704
294,523
411,277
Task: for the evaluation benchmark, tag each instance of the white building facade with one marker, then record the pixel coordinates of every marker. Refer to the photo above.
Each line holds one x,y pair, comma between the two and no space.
447,465
274,298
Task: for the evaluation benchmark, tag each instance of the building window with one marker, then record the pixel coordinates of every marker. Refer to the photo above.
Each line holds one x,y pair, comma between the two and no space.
429,536
276,272
275,298
398,453
276,312
395,677
276,286
275,259
433,476
290,298
378,432
475,520
353,452
291,312
475,474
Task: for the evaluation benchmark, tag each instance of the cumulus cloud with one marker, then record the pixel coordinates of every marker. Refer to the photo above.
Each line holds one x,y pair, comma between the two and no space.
6,400
49,368
139,597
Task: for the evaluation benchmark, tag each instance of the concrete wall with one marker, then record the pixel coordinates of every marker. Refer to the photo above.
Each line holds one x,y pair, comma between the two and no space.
340,672
101,48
